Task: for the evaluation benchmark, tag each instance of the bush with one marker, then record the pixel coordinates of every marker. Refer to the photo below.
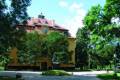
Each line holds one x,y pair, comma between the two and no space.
2,68
56,73
110,76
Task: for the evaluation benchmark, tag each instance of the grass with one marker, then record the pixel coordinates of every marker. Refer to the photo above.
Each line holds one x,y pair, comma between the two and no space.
109,76
56,73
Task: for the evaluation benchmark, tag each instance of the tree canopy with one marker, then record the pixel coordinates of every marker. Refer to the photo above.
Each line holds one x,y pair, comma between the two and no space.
102,33
10,17
53,45
34,47
57,44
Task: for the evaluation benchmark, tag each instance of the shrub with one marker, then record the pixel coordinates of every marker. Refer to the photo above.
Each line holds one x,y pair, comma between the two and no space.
56,73
1,68
110,76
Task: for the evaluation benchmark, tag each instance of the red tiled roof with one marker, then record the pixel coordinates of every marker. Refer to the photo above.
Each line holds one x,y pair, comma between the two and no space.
40,21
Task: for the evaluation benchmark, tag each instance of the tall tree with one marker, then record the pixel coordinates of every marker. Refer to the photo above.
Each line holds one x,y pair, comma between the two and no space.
100,34
82,48
111,9
93,23
10,17
93,17
34,47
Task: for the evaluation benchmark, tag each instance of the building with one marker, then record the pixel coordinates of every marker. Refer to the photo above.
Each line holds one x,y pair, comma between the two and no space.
45,26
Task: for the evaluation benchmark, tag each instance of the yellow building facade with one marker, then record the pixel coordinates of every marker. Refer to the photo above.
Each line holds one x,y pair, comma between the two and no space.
45,63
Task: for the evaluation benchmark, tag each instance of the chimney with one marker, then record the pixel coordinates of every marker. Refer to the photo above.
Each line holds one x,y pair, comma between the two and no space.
53,22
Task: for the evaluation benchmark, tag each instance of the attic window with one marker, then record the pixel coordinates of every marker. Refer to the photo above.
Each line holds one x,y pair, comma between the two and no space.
35,23
33,27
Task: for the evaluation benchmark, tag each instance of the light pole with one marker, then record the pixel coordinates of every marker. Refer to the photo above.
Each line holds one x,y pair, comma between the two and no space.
115,56
115,66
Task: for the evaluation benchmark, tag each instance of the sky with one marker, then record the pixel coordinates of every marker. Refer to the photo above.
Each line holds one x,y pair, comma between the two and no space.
67,13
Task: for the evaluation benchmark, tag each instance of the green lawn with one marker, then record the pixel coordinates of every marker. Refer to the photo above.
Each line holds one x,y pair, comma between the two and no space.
109,76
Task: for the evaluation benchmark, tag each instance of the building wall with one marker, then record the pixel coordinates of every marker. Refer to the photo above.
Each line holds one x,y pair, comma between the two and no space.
71,48
13,56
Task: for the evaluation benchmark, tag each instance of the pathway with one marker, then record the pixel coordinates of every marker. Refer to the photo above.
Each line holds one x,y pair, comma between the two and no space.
28,75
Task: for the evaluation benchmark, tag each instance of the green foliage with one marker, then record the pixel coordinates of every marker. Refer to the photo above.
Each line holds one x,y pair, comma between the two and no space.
3,60
111,9
57,44
10,17
19,10
102,34
81,47
56,73
34,47
53,45
60,57
2,68
117,51
108,76
93,17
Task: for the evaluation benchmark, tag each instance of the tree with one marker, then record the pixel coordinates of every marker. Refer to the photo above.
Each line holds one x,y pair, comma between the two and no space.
100,35
117,52
10,17
57,44
94,24
34,48
53,45
111,9
93,17
82,48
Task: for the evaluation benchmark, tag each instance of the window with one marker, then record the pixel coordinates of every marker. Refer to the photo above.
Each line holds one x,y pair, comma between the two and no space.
45,30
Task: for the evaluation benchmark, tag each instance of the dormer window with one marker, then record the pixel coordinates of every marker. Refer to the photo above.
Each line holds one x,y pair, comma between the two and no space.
35,23
33,27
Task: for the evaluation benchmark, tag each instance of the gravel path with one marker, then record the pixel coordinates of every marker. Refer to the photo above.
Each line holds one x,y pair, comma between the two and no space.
27,75
61,78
